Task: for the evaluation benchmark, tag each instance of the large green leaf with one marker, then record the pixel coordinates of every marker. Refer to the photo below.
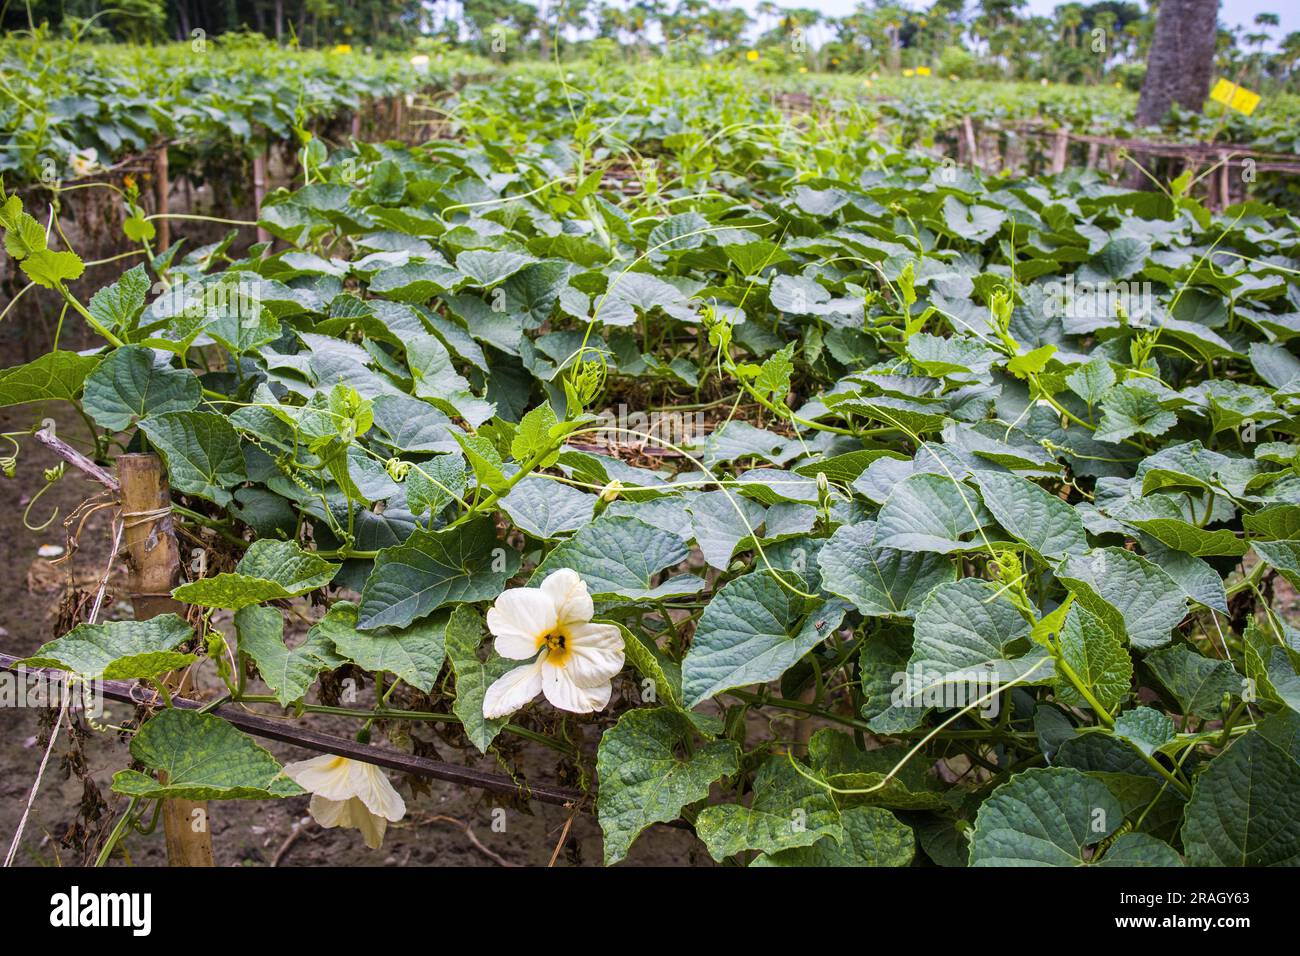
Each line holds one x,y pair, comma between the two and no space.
788,810
974,223
1140,849
413,654
1160,517
1044,817
117,306
288,672
547,509
648,770
464,634
649,661
485,268
118,650
1131,596
1049,526
872,837
967,638
619,557
432,569
55,375
1197,683
928,512
270,570
753,631
1097,658
437,380
128,386
719,522
202,453
879,582
1282,555
204,758
1245,807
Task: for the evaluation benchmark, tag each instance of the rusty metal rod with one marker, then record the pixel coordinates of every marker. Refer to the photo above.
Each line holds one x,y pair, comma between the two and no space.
272,729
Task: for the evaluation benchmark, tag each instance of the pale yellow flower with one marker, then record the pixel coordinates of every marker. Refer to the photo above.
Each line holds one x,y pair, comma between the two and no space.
83,161
575,659
348,793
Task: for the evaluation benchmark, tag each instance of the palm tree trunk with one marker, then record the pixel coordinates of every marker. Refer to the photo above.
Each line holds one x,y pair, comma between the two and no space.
1178,66
1181,59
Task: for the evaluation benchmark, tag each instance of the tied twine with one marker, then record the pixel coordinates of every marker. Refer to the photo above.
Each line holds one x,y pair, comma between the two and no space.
132,518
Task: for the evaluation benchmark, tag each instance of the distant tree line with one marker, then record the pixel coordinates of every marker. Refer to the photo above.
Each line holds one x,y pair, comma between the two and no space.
1106,41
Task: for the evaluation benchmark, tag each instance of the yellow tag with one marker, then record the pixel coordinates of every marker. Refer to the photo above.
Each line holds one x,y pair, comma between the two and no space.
1234,97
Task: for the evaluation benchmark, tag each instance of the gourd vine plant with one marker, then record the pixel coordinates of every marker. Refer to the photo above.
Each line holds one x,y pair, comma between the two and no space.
853,508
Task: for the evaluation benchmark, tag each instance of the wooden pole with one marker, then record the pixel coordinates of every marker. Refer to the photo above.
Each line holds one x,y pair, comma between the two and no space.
161,192
1060,146
154,563
259,191
972,145
1225,183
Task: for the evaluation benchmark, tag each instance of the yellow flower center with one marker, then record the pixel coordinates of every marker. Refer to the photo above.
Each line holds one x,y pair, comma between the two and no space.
557,647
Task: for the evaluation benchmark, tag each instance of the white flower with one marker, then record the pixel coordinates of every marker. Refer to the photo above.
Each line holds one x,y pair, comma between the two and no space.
83,161
578,659
348,793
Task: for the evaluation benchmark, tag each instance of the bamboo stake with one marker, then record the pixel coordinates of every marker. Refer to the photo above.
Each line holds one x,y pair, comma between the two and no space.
154,562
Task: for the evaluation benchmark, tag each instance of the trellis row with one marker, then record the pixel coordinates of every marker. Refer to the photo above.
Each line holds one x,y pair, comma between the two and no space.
969,136
382,118
1229,156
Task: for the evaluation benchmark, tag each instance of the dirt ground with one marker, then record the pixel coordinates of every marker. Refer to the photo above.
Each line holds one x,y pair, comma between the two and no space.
244,833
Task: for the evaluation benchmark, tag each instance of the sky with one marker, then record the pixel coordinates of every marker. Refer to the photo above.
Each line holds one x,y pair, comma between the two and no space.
1231,12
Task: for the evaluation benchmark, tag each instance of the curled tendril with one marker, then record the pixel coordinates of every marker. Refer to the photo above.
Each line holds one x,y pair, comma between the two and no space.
397,469
51,476
9,463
